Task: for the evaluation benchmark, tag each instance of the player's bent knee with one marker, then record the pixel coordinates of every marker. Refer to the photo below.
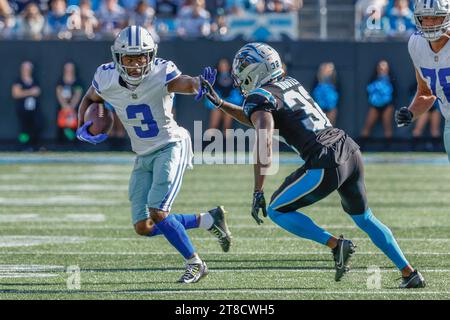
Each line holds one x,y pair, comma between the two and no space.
158,215
272,213
144,228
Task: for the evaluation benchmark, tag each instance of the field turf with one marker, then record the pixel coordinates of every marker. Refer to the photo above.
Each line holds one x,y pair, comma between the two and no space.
54,216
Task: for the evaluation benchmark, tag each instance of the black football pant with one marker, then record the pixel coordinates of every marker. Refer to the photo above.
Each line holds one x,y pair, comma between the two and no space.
307,186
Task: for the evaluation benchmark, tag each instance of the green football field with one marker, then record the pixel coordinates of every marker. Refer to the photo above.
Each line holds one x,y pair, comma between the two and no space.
57,218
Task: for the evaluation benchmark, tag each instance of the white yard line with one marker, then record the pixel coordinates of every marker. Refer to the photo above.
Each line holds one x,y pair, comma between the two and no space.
130,227
80,217
64,187
28,275
237,238
267,291
243,253
69,200
63,177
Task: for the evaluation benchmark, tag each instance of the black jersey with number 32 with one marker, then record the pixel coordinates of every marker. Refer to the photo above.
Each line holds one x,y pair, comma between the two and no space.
301,123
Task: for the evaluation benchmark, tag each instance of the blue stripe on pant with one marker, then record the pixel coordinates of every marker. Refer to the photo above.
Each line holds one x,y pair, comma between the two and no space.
296,222
166,204
304,185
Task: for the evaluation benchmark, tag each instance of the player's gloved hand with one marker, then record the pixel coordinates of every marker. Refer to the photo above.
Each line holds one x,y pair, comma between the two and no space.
84,135
403,117
209,74
210,93
259,202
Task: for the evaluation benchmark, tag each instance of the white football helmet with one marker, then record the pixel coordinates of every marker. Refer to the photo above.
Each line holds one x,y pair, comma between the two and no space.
134,40
254,65
432,8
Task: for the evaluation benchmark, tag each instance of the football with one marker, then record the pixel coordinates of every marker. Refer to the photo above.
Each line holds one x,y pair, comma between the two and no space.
102,119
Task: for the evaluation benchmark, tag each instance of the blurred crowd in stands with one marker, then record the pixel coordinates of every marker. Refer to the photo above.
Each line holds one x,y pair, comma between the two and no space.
167,19
100,19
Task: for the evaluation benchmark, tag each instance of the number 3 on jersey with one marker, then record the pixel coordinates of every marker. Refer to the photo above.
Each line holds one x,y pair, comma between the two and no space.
149,127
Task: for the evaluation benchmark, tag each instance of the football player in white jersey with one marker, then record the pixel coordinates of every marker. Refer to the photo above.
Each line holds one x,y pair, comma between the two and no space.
140,89
430,53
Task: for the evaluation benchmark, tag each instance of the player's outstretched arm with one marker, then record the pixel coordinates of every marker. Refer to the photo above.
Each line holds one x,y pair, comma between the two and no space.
233,110
184,84
264,125
422,102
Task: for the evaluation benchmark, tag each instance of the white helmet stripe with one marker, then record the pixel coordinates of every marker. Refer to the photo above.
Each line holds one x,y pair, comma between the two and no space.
133,35
429,4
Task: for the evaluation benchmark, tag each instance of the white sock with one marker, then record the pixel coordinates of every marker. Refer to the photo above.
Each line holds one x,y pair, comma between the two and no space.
206,221
194,260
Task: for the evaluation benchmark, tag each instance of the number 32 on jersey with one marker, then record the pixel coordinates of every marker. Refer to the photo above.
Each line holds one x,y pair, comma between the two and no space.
299,98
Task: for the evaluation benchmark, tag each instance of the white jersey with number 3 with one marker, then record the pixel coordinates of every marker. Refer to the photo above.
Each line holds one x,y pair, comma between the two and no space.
146,112
434,68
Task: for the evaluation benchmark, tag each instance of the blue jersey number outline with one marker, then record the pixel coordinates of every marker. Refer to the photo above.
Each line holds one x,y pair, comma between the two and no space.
109,66
148,121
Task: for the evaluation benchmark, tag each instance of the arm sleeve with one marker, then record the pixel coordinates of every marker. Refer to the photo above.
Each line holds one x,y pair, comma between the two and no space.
172,71
96,81
102,78
412,48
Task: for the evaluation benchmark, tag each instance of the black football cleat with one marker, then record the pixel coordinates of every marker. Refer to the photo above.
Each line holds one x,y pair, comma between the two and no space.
415,280
194,272
220,228
342,254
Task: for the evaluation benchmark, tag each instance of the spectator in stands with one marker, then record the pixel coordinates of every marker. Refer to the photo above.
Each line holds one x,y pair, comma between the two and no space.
194,20
81,21
219,27
19,5
94,5
128,5
144,16
283,5
56,24
7,19
381,101
325,92
224,87
217,7
26,92
112,18
68,94
167,8
401,19
89,22
30,23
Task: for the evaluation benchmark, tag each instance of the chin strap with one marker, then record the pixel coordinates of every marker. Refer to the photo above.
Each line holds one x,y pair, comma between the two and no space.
446,34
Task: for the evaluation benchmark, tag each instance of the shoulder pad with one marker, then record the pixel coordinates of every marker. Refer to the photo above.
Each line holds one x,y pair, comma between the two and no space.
265,94
103,77
259,99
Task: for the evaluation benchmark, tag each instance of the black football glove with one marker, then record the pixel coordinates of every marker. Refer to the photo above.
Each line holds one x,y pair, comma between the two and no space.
210,93
258,203
403,117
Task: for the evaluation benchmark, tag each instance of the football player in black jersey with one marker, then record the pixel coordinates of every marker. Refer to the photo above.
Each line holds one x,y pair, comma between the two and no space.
332,159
